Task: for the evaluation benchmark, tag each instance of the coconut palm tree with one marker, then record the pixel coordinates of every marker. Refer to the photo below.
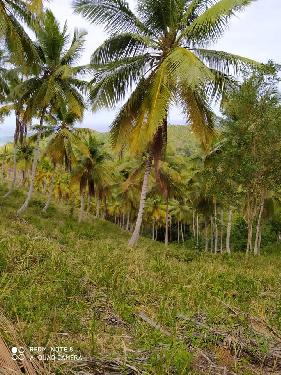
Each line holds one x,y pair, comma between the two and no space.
160,51
13,103
91,172
61,147
14,16
57,87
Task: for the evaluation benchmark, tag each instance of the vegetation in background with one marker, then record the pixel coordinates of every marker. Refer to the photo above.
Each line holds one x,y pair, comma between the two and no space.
210,192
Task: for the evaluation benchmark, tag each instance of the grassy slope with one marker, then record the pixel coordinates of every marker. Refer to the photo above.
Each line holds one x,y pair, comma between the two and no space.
57,276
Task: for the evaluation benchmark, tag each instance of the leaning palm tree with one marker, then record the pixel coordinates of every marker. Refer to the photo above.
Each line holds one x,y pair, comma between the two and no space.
57,87
14,17
160,51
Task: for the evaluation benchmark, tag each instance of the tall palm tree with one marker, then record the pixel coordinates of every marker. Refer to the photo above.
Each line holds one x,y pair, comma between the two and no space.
57,87
161,51
14,16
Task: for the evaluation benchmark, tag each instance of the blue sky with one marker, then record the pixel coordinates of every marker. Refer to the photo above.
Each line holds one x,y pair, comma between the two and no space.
255,33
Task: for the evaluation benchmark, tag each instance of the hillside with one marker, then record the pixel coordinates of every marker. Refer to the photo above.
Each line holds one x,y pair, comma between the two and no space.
180,140
149,310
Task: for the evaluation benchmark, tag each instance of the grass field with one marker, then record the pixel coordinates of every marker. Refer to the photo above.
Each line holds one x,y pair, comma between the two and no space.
149,310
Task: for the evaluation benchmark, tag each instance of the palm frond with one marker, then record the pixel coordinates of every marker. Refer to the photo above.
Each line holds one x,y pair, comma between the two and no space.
120,46
199,115
116,15
225,62
210,25
113,80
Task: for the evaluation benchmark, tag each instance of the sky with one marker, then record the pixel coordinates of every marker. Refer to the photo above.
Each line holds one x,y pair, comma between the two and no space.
254,33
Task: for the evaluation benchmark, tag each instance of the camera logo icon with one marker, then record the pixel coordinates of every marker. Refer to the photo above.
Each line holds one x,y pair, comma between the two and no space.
18,353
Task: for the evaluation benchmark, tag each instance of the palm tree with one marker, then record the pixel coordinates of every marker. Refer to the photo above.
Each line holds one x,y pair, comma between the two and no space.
61,147
161,51
13,14
91,172
12,103
170,185
57,88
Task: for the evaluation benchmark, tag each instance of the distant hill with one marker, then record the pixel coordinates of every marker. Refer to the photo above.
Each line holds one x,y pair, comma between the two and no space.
181,139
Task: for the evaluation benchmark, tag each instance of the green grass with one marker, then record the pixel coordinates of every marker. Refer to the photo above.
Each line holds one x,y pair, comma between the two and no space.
70,284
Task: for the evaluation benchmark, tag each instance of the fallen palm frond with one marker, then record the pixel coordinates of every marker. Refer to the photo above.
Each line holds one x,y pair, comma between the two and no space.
14,365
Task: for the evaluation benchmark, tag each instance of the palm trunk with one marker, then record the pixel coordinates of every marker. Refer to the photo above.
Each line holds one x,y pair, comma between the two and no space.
197,230
167,223
193,223
82,207
250,237
128,221
212,235
89,203
34,166
12,186
52,185
178,231
182,235
228,231
153,229
216,229
136,233
98,208
222,224
258,231
206,236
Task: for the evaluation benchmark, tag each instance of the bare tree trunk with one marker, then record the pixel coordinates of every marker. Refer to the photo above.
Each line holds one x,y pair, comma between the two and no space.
258,231
52,184
182,235
82,207
167,223
12,186
178,231
34,166
228,231
153,229
136,233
